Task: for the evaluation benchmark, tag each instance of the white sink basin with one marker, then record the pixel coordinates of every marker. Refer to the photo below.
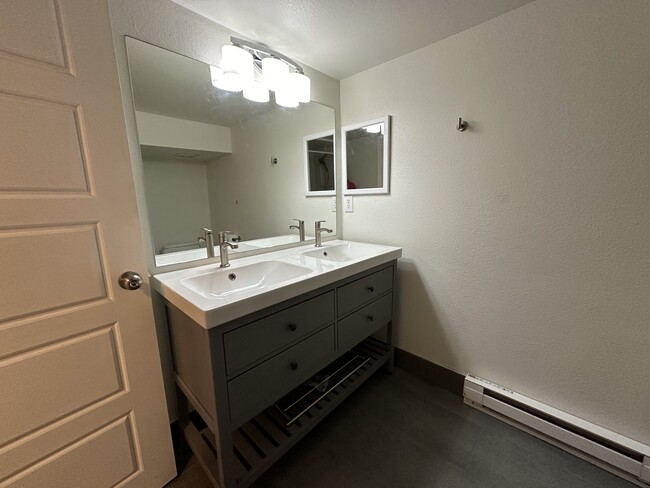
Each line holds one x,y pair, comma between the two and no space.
224,282
212,296
341,253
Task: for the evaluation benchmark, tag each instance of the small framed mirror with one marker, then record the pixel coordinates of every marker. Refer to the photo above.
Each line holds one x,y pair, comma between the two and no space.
320,173
366,156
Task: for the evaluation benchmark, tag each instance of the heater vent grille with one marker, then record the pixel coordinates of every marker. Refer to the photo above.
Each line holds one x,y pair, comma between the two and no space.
618,454
637,456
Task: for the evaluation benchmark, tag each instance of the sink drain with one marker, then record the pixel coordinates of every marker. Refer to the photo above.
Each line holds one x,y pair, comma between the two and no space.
232,276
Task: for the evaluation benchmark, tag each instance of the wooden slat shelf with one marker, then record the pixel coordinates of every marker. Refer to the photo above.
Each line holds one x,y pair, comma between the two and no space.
265,438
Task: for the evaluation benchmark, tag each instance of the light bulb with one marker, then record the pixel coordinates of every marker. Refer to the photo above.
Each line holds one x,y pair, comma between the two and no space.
301,86
215,74
274,73
236,69
231,82
256,91
285,97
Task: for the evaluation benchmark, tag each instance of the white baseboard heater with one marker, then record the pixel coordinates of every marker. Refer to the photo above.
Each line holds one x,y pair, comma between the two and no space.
618,454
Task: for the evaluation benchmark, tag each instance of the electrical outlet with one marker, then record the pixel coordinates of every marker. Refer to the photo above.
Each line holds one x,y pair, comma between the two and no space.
348,204
333,204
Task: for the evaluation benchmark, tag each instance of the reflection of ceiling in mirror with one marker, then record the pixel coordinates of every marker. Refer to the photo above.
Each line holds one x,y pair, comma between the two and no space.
167,83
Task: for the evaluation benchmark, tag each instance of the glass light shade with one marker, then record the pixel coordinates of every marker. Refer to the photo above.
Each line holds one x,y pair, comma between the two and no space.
274,73
236,69
215,74
238,60
285,97
301,86
231,82
256,91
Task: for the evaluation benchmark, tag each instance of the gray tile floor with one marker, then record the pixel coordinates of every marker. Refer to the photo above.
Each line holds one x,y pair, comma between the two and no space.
400,431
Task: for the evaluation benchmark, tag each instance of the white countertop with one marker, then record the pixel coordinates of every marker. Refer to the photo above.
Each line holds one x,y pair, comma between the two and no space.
211,311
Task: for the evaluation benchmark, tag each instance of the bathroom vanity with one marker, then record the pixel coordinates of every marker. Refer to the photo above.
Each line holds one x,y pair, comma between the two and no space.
260,363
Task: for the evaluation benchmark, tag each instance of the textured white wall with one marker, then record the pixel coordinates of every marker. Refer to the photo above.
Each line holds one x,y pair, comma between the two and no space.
527,238
177,199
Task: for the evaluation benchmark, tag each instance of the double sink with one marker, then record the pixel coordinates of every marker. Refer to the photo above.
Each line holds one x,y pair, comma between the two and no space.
212,295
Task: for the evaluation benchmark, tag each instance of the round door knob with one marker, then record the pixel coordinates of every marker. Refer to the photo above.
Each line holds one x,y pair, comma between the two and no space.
293,366
292,327
130,280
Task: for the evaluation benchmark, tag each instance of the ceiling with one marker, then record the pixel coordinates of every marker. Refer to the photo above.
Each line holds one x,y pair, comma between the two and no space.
344,37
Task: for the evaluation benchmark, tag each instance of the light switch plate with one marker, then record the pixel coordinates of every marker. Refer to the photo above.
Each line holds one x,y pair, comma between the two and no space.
333,204
348,204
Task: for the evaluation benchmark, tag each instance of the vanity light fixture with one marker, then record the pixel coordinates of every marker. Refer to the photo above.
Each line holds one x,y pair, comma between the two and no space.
255,69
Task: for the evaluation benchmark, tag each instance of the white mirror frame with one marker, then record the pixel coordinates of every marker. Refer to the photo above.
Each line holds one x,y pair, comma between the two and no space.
384,189
306,139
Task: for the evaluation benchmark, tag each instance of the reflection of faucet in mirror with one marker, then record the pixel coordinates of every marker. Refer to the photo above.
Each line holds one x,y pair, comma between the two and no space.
300,227
318,230
209,241
223,248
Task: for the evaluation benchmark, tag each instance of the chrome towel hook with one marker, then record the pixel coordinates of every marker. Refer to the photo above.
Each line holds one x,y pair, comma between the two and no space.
462,124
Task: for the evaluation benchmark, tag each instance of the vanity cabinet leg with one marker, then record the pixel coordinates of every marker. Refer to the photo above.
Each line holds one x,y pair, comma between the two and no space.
193,438
389,367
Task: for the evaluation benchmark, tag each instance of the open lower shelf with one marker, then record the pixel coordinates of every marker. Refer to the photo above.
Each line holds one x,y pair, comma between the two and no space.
302,399
263,439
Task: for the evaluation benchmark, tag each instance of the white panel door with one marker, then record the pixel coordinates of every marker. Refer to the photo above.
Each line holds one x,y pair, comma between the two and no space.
81,392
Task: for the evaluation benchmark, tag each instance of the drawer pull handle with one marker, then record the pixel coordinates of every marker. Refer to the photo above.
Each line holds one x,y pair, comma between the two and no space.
370,318
293,366
292,327
371,289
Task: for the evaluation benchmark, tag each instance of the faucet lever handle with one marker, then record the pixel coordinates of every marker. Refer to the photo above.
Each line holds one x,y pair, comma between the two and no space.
223,235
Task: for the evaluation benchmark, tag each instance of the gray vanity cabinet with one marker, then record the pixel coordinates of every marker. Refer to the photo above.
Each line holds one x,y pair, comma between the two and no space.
250,389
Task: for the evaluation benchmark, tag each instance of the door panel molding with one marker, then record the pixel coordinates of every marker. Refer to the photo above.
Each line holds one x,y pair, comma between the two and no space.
45,16
59,163
57,468
92,365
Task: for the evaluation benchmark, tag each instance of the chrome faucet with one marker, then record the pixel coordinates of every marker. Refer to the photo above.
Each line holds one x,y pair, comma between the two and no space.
209,241
300,227
318,230
223,248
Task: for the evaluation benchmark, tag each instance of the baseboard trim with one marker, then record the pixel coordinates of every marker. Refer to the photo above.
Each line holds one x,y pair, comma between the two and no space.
431,372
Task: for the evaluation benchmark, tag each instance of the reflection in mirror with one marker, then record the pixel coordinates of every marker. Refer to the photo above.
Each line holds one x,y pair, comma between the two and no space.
366,156
212,159
319,164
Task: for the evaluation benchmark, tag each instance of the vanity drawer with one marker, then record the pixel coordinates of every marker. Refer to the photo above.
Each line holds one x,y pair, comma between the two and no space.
267,382
364,290
364,322
253,341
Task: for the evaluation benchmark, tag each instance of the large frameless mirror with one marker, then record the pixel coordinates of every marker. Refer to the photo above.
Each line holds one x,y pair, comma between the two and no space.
366,157
213,159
